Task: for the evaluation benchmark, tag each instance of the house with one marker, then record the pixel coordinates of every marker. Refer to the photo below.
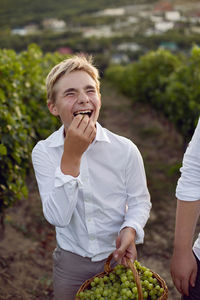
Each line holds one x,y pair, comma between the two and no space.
103,31
195,29
163,26
173,16
54,24
64,50
169,46
120,11
31,28
163,6
133,47
156,19
19,31
119,58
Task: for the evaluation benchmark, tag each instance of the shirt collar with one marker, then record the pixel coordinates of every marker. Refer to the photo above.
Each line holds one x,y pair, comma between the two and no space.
101,135
57,138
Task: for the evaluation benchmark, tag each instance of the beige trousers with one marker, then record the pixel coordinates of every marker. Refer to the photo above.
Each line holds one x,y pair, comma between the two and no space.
70,271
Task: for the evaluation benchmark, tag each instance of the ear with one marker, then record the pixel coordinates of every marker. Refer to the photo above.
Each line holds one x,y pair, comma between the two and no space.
52,108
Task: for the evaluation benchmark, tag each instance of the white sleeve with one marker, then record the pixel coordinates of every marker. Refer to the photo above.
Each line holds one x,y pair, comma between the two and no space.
188,186
138,198
58,192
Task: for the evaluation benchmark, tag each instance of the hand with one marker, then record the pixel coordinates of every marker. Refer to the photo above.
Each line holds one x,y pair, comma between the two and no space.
79,136
183,270
125,246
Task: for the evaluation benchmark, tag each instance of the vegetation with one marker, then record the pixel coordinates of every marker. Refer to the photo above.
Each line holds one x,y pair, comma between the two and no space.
23,108
12,13
169,82
77,14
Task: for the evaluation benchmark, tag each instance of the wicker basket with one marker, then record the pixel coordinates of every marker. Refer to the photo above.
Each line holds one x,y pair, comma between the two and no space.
107,270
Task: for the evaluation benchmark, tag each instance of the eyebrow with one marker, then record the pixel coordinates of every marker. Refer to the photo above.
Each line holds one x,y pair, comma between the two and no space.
90,87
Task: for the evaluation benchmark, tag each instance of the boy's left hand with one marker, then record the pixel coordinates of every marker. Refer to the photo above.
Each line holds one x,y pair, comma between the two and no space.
125,246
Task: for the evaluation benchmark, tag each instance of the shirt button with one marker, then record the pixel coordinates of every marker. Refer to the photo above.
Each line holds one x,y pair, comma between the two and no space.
92,238
89,220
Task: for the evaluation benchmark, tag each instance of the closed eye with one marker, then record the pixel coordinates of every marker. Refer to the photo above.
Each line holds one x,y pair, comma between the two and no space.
91,91
70,94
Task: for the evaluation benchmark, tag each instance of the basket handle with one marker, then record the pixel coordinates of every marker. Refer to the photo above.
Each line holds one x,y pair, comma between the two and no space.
137,278
131,265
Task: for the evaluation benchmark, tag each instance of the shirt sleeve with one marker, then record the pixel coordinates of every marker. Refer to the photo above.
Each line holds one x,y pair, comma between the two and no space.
58,192
138,198
188,185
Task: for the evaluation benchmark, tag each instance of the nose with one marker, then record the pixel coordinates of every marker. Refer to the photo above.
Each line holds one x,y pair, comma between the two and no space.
83,97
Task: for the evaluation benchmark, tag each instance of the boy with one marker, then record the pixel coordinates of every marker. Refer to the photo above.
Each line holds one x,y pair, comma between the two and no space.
92,182
185,265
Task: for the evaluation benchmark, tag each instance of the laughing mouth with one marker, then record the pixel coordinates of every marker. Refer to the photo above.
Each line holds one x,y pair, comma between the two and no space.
83,112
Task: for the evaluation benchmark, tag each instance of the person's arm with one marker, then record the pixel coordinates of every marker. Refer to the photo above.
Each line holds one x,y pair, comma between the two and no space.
183,264
79,135
59,186
139,205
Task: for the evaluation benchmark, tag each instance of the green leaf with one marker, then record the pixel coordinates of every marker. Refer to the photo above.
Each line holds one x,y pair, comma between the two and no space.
3,150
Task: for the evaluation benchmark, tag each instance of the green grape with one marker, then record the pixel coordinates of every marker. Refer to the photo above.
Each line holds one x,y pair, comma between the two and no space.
145,295
161,290
123,278
129,294
96,279
127,283
155,281
150,286
152,292
120,285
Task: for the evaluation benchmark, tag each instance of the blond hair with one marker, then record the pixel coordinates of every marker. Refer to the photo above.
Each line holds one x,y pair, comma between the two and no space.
74,63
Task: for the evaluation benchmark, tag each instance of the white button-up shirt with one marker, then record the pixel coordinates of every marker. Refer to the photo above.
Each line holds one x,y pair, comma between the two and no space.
109,194
188,187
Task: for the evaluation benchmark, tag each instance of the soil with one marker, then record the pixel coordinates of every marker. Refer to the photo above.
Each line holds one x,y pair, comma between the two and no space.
26,250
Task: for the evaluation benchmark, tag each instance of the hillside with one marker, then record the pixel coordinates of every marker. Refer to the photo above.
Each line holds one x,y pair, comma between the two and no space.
20,13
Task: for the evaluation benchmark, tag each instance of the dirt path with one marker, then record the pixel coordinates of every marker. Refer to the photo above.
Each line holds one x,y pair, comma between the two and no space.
25,253
162,149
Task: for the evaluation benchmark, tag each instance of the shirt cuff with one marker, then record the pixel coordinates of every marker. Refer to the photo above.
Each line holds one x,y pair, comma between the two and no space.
188,195
61,179
139,238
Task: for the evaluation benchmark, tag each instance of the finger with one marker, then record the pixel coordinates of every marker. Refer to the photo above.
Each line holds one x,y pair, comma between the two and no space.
185,287
177,284
117,257
124,262
131,256
92,136
77,120
118,243
84,123
90,129
193,278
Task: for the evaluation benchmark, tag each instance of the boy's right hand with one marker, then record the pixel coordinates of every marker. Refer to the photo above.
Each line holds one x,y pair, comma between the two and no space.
79,136
183,270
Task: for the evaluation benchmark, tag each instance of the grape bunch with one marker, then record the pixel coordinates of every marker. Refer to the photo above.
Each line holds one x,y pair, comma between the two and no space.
120,285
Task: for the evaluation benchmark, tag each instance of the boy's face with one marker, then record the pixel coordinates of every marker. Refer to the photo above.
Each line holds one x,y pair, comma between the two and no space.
76,93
